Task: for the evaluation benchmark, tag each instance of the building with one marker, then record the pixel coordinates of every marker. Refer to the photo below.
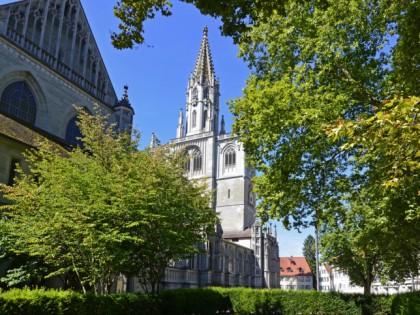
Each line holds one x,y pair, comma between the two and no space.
295,274
326,278
49,62
334,280
244,253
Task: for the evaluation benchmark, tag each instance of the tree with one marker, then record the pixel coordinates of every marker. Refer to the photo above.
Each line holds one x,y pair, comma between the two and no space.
236,15
104,208
316,63
308,251
320,63
387,154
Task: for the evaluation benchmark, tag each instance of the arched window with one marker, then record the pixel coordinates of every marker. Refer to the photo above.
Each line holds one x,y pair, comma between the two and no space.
197,161
194,119
230,158
204,118
73,132
18,102
195,95
206,93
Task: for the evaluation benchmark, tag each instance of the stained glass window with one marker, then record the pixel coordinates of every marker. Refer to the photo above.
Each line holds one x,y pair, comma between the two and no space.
18,102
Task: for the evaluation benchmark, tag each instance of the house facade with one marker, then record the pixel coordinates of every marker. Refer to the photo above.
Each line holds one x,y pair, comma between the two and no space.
295,274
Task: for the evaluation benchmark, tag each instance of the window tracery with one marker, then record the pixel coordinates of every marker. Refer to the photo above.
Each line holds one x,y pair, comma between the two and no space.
230,158
18,102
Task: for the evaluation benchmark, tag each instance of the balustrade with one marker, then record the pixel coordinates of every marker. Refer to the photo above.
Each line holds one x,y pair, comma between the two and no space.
52,62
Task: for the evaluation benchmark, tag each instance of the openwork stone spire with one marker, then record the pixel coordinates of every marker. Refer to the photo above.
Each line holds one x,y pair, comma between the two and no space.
204,69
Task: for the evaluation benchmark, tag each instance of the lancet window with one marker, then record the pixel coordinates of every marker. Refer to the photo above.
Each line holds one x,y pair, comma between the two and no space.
230,158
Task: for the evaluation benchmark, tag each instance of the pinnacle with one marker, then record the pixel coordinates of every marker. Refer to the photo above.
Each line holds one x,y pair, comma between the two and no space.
204,64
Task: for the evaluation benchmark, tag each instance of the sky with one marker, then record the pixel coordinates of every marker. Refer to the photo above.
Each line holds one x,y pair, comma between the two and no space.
158,71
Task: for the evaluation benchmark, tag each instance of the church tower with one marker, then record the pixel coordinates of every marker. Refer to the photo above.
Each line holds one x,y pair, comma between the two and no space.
216,157
202,109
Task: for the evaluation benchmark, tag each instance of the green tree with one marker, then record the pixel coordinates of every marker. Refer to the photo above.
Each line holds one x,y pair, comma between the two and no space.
386,200
236,15
92,211
308,251
315,64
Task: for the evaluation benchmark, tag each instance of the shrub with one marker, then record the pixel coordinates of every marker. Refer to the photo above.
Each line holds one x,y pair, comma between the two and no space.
206,302
406,304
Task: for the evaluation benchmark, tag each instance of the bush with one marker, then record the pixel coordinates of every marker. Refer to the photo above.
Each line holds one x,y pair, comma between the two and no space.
406,304
57,302
206,302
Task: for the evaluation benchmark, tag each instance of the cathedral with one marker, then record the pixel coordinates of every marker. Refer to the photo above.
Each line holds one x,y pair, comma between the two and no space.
244,253
49,61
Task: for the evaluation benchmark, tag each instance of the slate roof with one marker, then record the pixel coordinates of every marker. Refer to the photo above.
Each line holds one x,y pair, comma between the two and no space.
26,135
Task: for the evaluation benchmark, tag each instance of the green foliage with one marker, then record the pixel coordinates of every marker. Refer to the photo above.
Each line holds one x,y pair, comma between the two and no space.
47,302
322,62
103,209
309,253
194,301
236,16
406,304
205,301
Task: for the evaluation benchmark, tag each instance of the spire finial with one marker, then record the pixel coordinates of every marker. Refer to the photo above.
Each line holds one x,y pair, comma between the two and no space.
125,95
205,30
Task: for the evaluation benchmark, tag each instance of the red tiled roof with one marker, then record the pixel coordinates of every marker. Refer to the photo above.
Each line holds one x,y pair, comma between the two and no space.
294,266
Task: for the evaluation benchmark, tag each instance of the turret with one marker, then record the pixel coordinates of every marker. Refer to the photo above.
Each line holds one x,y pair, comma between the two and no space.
123,113
180,129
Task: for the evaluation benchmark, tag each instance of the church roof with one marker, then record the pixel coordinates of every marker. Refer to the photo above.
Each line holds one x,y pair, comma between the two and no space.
29,136
204,69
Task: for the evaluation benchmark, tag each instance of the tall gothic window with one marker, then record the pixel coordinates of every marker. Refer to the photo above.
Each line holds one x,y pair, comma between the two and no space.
73,132
195,95
194,119
204,118
230,158
197,161
18,102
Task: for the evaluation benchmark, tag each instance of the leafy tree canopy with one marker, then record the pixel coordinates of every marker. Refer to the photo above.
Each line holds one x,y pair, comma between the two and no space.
329,116
103,208
236,15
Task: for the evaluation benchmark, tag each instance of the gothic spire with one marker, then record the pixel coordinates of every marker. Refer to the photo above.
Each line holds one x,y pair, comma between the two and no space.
204,65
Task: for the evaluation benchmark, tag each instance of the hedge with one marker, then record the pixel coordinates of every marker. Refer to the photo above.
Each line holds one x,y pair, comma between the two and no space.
206,301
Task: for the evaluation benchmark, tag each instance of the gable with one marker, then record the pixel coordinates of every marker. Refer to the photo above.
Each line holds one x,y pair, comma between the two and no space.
57,33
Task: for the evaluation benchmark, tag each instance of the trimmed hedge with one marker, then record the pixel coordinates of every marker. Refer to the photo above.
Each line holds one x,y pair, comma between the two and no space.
54,302
206,301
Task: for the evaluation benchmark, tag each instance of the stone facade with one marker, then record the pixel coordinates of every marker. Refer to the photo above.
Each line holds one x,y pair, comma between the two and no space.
244,253
49,55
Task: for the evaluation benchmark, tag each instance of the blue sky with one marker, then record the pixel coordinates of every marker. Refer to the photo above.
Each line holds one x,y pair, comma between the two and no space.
157,74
